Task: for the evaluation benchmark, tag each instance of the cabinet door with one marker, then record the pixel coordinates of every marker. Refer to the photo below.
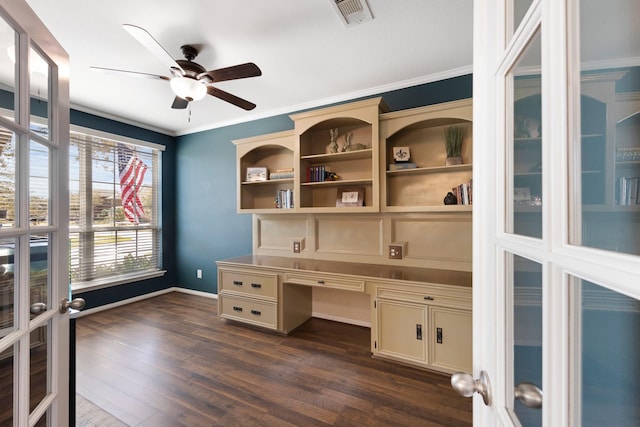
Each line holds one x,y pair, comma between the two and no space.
402,331
450,339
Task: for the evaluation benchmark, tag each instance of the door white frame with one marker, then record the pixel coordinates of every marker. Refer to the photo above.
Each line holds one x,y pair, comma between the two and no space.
32,32
558,251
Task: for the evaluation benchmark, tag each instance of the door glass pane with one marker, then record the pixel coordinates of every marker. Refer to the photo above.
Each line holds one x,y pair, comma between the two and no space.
524,199
7,385
38,372
608,387
8,296
39,269
526,286
520,8
607,172
39,80
39,185
8,56
7,178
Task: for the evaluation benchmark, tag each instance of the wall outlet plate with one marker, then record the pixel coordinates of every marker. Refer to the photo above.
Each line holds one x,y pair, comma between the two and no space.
397,250
297,245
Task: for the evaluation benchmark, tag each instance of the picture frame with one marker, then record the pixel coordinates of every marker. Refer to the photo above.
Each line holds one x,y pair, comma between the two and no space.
348,197
255,174
401,154
521,194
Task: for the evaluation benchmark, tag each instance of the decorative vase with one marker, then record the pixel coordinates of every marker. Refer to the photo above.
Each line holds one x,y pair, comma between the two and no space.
453,161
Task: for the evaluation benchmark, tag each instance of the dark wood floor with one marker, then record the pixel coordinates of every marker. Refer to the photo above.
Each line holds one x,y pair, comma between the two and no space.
170,361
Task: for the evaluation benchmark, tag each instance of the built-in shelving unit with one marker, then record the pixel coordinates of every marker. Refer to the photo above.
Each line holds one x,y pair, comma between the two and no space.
355,167
274,152
424,187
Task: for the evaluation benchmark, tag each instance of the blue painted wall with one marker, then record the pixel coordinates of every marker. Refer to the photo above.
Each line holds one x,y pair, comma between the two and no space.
209,228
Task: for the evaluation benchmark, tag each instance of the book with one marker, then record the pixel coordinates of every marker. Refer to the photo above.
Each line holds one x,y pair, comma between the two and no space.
281,174
401,166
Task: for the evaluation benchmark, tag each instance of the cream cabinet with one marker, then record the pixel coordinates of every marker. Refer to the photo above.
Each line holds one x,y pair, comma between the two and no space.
423,326
248,296
420,183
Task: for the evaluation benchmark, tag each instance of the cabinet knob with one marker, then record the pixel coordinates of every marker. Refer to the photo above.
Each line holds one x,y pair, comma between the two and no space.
321,282
429,298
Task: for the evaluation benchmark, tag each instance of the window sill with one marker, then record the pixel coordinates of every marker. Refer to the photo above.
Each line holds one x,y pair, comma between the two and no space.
79,288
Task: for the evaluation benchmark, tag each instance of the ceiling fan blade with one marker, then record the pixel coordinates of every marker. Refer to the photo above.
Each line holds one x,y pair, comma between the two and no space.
235,72
179,103
232,99
152,46
129,73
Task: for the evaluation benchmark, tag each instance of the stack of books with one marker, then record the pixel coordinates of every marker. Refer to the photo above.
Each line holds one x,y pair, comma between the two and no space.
464,193
320,173
402,165
627,191
281,174
284,199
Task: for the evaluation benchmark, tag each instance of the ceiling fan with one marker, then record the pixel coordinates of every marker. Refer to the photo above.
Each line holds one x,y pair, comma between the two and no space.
189,80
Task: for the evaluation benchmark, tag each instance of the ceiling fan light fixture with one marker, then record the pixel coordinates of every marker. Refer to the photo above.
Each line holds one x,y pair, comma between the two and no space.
188,88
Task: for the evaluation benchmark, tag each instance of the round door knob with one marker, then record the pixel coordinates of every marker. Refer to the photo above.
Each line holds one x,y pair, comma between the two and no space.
38,308
76,304
466,385
529,394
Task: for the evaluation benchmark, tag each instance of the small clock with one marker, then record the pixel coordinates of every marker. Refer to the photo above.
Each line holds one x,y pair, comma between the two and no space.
401,154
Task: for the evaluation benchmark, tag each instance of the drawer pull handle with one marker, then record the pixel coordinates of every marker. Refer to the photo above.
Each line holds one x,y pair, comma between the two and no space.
429,298
256,285
237,282
256,312
419,332
321,282
236,308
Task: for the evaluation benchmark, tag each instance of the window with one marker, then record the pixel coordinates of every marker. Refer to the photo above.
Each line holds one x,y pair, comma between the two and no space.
114,209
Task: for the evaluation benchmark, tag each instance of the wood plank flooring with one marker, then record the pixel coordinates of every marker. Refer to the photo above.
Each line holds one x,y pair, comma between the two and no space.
170,361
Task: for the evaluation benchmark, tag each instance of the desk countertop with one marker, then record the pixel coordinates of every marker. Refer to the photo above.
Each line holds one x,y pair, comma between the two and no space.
372,271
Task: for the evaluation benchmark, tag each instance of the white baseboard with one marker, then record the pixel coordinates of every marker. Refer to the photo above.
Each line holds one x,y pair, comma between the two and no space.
341,319
142,297
198,293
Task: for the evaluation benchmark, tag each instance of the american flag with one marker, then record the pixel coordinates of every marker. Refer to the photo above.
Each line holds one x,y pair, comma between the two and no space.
132,171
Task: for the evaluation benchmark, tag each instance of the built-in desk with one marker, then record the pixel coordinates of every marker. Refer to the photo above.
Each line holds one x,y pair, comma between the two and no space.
419,316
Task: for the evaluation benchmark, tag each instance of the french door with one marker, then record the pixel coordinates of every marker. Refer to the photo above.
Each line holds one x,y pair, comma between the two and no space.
34,326
557,217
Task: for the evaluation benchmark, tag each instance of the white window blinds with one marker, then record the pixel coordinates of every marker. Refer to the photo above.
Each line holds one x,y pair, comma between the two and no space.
114,209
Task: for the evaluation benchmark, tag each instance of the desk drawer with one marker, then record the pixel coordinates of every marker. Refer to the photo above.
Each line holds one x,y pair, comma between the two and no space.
249,283
259,313
325,281
424,296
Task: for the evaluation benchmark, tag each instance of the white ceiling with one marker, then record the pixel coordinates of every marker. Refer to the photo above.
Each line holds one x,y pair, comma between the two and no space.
307,56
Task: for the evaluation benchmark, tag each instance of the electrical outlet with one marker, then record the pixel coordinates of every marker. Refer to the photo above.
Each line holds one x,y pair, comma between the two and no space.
395,252
296,246
199,274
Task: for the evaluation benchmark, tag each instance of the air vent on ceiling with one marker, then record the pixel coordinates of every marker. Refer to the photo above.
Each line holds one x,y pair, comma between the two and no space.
352,12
